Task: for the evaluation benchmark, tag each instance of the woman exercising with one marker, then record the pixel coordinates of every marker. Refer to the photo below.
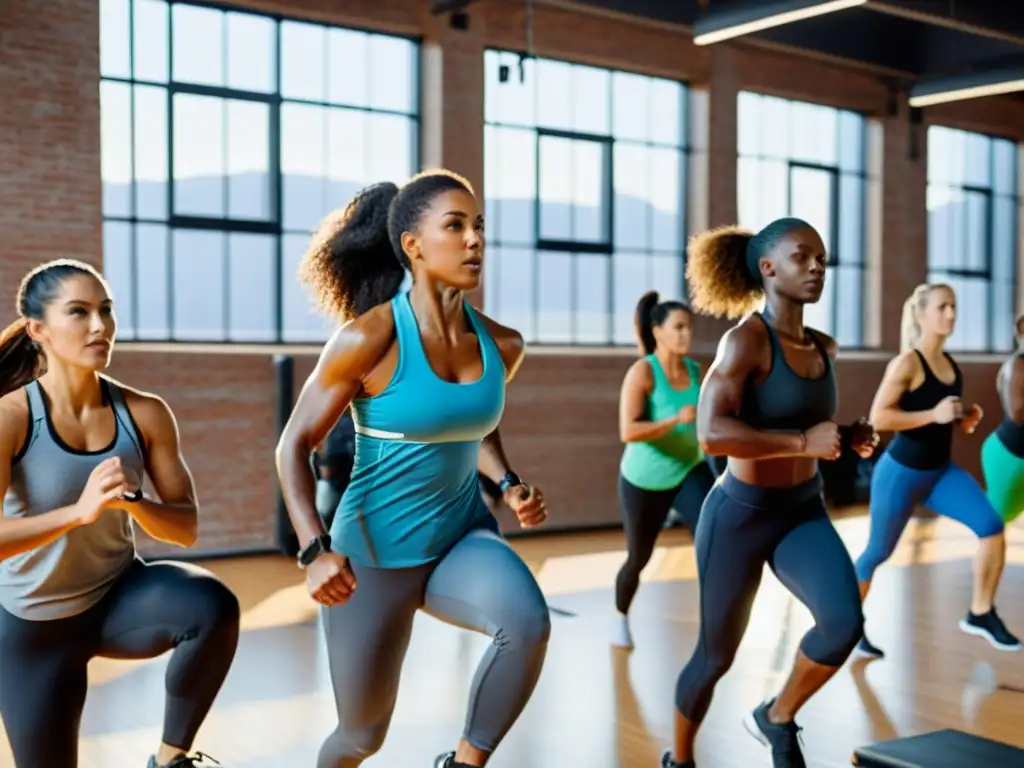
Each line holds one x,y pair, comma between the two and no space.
919,400
768,403
76,445
1002,454
662,465
425,375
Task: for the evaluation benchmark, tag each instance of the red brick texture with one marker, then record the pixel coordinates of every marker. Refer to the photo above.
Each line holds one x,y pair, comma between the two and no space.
560,425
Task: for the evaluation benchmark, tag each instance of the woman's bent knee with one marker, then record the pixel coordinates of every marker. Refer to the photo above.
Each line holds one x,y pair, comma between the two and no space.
832,641
216,606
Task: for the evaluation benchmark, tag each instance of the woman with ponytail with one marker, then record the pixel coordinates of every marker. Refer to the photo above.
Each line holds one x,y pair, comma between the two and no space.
425,375
768,403
919,399
76,446
662,465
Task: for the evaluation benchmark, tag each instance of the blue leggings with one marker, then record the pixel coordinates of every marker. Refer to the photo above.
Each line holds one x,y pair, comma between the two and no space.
897,489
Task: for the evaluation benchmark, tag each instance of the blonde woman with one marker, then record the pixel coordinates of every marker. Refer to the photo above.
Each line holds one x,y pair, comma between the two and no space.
920,400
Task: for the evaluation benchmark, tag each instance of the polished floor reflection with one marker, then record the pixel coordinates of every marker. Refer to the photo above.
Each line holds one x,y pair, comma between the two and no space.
597,707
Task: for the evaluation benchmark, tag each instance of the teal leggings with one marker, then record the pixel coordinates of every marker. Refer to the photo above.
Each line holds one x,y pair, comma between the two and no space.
1004,478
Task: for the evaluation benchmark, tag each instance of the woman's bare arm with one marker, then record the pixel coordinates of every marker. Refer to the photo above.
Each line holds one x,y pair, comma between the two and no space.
719,430
346,360
493,462
636,388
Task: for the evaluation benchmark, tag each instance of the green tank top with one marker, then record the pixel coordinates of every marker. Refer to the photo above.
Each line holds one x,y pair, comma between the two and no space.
664,463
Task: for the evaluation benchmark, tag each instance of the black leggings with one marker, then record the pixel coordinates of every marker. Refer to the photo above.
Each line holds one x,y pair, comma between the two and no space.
151,609
741,528
643,516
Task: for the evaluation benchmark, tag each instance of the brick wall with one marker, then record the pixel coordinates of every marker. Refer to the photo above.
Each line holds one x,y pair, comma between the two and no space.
560,426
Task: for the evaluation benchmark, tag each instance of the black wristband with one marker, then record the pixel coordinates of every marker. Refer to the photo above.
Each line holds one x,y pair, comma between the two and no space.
316,547
509,480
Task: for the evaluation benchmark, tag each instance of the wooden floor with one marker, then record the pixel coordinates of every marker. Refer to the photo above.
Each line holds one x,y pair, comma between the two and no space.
594,706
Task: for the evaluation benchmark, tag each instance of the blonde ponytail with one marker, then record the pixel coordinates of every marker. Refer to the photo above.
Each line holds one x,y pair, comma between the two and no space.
910,329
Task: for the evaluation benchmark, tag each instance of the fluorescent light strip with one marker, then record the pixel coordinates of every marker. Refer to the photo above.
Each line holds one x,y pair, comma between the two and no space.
971,92
775,20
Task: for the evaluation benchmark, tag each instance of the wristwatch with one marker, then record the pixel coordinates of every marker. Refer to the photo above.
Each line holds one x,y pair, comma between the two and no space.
510,480
316,547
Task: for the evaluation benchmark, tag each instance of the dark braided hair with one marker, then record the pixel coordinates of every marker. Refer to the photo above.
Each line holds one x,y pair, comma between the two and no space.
21,358
652,313
722,267
355,260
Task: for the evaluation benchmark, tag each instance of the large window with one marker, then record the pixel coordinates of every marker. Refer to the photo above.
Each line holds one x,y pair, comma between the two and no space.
809,161
972,233
226,137
585,174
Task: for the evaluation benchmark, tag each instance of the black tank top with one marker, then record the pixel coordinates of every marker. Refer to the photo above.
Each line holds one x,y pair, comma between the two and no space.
786,401
930,446
1011,434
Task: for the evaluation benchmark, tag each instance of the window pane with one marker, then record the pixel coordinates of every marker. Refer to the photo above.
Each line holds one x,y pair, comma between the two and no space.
301,321
630,278
591,92
303,61
302,164
116,148
517,184
748,192
632,188
515,100
814,133
850,304
590,213
591,286
851,141
252,287
1004,240
198,155
772,192
251,59
115,52
248,160
820,315
977,160
198,52
667,124
390,150
631,109
151,40
976,225
554,319
1005,162
150,152
555,188
667,276
199,285
152,276
941,150
554,94
1003,315
348,163
811,199
393,74
348,73
940,247
750,129
667,211
973,310
117,269
850,248
512,273
775,126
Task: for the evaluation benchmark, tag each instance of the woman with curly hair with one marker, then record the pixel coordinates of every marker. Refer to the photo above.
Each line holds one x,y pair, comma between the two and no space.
662,466
425,375
768,403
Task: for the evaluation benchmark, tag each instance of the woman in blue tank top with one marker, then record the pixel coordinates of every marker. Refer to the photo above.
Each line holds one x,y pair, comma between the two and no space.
76,445
768,403
425,376
662,465
919,400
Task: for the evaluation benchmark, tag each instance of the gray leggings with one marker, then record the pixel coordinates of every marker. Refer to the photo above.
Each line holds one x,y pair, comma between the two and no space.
480,584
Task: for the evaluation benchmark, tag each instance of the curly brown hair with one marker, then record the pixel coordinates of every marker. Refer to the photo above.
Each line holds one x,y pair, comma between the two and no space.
355,260
717,274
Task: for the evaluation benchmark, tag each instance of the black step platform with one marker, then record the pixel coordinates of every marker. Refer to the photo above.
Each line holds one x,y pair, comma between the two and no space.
941,749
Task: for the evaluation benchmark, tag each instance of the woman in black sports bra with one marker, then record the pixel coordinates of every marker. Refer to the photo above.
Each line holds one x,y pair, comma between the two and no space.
768,403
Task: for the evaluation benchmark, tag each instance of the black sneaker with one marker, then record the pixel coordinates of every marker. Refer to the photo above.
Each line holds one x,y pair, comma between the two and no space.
668,762
991,627
198,760
443,761
866,650
783,739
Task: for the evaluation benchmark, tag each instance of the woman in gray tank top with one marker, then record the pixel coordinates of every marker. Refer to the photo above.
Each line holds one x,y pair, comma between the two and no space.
76,445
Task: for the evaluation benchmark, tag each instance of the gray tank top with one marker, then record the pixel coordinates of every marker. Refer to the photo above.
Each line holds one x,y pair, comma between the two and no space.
73,573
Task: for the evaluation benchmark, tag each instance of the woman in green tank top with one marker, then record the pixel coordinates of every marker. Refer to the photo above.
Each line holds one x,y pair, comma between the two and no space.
662,465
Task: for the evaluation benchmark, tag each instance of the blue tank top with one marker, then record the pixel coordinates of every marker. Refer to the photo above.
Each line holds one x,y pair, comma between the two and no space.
414,491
